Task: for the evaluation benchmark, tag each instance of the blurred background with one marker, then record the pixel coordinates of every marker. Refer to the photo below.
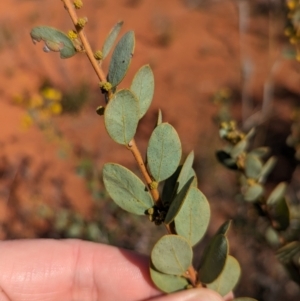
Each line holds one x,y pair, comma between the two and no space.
53,144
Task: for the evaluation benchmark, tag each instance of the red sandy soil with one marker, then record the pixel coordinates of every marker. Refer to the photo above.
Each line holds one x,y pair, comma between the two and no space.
193,52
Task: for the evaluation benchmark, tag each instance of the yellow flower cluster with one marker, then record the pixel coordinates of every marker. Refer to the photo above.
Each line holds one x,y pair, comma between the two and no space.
292,31
78,4
72,34
40,107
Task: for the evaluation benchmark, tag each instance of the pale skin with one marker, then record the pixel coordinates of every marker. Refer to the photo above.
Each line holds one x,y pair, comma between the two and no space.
74,270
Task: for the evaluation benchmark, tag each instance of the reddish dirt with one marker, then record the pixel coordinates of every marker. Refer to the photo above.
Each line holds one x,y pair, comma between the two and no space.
193,52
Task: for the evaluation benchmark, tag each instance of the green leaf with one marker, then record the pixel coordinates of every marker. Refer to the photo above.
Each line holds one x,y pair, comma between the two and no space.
121,116
228,279
172,255
126,189
55,40
278,207
167,283
186,171
267,169
260,151
277,194
224,228
193,217
225,159
164,152
253,166
121,59
286,253
250,134
111,38
214,259
239,148
253,192
178,201
170,187
143,87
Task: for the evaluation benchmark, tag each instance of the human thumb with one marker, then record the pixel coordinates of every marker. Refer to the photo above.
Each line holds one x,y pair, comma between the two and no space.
198,294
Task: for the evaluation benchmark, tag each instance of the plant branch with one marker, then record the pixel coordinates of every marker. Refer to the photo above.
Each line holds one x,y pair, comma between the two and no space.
138,157
191,273
88,50
101,75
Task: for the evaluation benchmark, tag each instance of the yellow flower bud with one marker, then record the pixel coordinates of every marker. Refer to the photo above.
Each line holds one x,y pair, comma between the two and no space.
78,4
98,55
72,34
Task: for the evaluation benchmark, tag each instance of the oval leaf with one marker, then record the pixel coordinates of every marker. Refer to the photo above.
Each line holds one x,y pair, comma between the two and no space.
170,187
55,40
193,217
143,87
228,279
121,116
224,228
260,151
112,36
172,255
278,208
186,171
277,194
121,59
214,259
267,169
253,192
253,166
168,283
178,202
164,152
126,189
239,148
225,159
286,253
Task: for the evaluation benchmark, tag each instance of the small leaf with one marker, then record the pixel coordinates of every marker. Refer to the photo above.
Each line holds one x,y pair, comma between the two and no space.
214,259
278,207
163,152
286,253
224,228
111,38
177,202
167,283
228,279
193,217
143,87
170,187
260,151
55,40
250,134
121,116
277,194
225,159
126,189
253,192
186,171
121,59
253,166
239,148
267,169
172,255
